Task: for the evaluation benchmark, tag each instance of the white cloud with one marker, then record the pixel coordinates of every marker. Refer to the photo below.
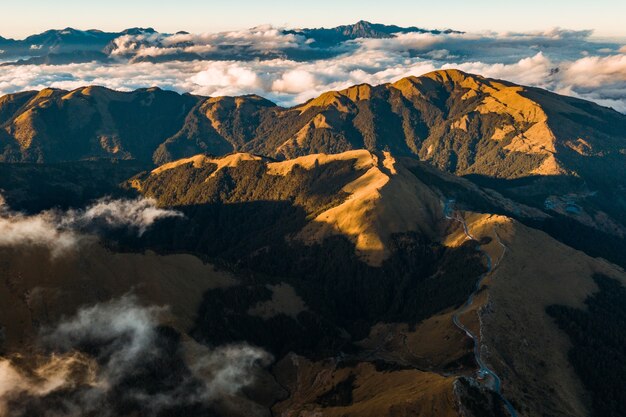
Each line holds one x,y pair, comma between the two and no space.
40,230
259,39
199,49
154,51
226,79
129,44
556,33
406,41
528,71
122,341
595,72
294,81
62,231
439,54
140,214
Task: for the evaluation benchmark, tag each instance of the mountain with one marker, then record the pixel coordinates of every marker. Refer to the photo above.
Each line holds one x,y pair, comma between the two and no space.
351,269
443,245
92,122
361,29
463,123
58,47
62,58
392,214
561,155
66,41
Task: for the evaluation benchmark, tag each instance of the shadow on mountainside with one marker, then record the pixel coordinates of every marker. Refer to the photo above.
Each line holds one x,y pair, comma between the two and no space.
342,292
570,223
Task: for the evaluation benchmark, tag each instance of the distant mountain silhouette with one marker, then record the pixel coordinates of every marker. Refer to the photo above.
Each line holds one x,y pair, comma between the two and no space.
57,47
361,29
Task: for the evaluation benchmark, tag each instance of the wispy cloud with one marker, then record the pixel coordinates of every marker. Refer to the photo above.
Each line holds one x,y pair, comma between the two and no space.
39,230
60,231
138,214
114,355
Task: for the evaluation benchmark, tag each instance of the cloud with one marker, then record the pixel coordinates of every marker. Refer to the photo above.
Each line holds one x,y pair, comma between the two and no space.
62,231
599,79
153,51
227,79
48,377
553,33
288,69
595,72
294,81
131,44
139,214
529,71
116,355
40,230
406,42
255,42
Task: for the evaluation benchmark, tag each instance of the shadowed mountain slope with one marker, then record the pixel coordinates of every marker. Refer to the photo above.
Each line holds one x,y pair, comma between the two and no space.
351,269
383,206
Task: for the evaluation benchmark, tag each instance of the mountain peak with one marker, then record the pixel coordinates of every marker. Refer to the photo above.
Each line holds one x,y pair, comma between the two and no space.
451,73
360,29
532,129
363,23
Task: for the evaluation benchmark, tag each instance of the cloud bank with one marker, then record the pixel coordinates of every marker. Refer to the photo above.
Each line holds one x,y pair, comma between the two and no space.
288,68
60,231
114,358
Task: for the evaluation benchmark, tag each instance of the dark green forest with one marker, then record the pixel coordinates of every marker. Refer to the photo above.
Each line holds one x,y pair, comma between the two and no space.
598,335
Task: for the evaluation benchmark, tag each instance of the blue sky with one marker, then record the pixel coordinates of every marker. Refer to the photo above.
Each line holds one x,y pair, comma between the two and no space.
20,18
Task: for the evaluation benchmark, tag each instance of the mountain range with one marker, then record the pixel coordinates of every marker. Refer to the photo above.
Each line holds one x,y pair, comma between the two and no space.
442,245
60,41
554,152
462,123
69,45
361,29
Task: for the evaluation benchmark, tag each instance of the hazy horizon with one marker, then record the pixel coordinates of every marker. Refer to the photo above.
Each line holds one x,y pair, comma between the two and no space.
22,19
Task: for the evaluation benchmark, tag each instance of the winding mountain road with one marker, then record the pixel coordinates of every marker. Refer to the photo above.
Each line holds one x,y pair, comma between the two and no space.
485,374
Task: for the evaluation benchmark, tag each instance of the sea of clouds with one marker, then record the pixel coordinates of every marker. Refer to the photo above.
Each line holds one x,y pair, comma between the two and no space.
289,69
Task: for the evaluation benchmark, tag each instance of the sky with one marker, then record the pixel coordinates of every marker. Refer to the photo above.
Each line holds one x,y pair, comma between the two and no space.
22,18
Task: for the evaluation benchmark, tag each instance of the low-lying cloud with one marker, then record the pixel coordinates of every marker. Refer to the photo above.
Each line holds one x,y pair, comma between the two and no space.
138,214
114,358
43,229
60,231
289,69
